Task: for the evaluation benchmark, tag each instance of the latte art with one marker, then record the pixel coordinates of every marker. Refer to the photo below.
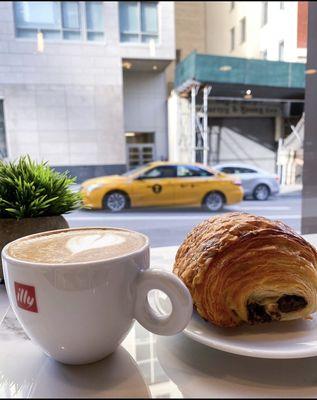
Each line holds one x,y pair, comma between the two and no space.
76,245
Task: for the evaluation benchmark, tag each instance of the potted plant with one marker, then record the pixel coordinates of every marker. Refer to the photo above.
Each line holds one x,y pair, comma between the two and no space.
33,197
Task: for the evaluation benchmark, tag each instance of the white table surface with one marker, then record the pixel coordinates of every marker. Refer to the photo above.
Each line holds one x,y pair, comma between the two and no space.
147,365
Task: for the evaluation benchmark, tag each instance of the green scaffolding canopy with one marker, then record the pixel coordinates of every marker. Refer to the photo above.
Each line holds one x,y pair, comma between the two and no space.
233,75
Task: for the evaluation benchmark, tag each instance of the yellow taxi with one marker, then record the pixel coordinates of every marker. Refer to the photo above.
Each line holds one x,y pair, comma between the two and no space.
163,184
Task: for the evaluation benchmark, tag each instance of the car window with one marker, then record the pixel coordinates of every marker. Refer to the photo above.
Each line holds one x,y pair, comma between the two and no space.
228,170
166,171
134,170
244,170
184,171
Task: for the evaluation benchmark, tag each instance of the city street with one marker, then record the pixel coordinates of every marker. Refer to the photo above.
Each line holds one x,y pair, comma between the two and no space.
168,226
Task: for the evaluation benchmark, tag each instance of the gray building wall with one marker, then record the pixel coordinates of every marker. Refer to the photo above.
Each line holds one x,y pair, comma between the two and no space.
144,95
65,105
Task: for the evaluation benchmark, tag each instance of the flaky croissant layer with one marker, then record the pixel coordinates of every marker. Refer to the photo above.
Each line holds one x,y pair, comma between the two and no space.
244,268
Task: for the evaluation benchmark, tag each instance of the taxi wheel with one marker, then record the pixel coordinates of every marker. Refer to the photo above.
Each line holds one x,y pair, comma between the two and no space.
115,201
214,201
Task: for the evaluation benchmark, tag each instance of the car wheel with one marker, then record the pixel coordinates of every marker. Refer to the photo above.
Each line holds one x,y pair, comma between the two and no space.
115,201
214,201
261,192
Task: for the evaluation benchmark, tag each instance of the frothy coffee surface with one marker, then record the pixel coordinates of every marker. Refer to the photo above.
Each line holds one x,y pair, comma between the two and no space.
76,246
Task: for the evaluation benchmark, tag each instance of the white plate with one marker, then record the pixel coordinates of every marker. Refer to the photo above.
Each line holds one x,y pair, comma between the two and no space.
292,339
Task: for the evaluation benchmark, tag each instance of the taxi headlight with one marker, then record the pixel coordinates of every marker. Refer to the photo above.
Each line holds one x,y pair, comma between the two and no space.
92,187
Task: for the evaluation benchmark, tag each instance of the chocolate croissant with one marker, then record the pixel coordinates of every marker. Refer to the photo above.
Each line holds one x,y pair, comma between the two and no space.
241,268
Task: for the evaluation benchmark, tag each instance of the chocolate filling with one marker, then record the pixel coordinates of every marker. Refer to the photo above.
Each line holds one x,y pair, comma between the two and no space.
288,303
257,314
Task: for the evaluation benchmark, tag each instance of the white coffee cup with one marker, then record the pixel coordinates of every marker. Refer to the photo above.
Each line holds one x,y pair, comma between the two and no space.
80,312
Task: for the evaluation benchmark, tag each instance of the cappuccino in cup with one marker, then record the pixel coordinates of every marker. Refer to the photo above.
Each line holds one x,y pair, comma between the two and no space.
76,245
76,292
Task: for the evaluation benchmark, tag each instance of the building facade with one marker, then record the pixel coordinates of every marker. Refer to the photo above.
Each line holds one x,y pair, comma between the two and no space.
244,122
82,84
272,30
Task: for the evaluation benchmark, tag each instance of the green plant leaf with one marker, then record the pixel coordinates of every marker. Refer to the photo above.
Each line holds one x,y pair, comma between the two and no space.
31,189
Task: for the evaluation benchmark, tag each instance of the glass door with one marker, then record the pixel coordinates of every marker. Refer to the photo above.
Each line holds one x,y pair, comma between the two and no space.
140,148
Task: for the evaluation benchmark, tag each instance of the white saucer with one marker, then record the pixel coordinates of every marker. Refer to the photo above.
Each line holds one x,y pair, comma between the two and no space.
292,339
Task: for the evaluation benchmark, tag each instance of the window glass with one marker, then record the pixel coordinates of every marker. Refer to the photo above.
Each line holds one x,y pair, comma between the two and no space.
94,16
232,39
265,6
138,21
228,170
70,14
148,17
243,30
59,20
244,170
37,14
168,171
184,171
129,16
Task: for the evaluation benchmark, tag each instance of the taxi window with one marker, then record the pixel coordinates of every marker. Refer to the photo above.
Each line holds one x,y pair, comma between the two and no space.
166,171
187,171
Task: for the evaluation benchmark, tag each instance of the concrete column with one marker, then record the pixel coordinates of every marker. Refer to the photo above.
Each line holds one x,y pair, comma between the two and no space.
309,202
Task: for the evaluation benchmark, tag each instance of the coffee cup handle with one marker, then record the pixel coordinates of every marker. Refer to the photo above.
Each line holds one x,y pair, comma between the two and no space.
175,289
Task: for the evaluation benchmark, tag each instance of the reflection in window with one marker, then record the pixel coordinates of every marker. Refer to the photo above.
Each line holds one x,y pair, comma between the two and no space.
59,20
3,144
138,21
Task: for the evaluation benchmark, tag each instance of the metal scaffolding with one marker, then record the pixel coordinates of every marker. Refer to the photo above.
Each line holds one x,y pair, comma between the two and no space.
199,124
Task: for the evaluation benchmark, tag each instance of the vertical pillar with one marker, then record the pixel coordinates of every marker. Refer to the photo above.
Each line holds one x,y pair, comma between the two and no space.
193,123
205,124
309,199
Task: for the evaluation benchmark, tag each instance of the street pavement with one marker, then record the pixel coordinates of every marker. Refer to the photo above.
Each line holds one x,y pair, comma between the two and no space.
169,226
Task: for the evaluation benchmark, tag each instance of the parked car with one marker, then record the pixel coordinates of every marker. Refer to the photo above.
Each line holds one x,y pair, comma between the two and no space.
255,181
163,184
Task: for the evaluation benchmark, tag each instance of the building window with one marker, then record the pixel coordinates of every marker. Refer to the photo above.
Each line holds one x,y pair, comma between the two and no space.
138,21
178,55
67,20
232,39
282,5
265,6
243,30
94,20
232,5
264,54
281,50
3,143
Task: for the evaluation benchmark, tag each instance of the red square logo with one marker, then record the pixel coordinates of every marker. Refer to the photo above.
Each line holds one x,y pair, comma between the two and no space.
25,296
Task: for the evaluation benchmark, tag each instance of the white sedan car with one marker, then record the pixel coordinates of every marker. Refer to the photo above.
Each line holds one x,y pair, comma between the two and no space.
256,182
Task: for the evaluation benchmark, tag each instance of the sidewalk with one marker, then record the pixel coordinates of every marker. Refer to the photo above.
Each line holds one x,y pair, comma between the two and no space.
291,190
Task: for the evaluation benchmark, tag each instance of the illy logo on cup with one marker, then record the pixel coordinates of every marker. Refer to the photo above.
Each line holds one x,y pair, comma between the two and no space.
25,296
